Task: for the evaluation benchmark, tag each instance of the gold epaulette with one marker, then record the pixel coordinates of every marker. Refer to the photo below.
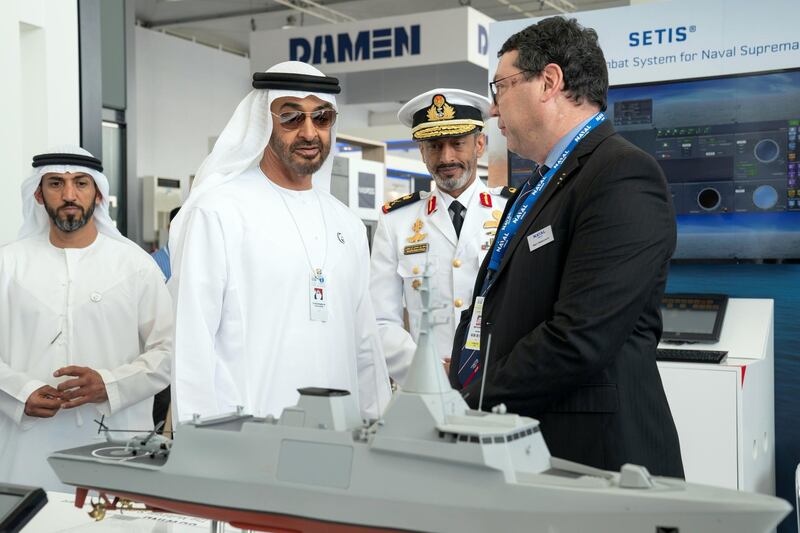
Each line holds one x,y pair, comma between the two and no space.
507,192
402,201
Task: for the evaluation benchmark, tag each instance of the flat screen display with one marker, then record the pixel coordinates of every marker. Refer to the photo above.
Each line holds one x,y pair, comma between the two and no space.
18,505
692,317
728,148
8,502
688,320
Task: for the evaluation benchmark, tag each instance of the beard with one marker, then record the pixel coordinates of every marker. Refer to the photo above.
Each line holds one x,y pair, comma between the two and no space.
300,164
71,222
456,182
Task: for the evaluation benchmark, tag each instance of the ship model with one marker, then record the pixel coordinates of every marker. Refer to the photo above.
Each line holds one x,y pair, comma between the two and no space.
430,463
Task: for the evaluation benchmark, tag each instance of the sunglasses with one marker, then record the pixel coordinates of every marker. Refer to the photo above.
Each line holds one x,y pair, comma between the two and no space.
321,118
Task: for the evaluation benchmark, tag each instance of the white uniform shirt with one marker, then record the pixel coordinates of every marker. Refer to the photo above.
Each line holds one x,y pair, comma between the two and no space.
105,307
242,287
399,256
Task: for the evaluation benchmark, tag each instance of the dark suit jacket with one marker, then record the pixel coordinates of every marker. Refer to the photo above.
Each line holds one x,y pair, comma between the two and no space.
575,323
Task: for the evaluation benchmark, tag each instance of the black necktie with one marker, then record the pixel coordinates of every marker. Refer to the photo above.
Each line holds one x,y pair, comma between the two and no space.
458,216
537,175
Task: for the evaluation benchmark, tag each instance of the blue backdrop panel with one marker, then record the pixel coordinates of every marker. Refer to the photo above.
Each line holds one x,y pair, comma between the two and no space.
782,284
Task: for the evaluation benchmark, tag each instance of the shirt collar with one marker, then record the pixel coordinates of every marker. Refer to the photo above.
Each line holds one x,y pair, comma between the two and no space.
98,238
561,145
464,198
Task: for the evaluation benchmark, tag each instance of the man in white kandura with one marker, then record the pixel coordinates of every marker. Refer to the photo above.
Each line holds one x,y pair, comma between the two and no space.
269,274
86,321
450,230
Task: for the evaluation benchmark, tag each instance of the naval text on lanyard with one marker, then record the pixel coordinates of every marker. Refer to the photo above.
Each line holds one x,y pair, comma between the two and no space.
517,214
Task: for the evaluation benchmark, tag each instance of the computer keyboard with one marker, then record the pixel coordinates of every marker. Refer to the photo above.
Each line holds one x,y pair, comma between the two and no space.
690,356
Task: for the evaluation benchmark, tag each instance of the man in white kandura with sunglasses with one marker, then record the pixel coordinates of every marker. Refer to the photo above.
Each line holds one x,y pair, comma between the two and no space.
270,272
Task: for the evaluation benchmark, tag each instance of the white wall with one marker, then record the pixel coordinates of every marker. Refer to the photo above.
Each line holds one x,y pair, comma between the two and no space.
185,95
39,96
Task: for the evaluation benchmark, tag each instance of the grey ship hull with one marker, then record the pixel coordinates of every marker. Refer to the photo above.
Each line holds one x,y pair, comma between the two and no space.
430,464
314,479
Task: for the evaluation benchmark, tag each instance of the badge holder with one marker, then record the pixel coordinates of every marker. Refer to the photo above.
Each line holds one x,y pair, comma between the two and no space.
318,297
474,334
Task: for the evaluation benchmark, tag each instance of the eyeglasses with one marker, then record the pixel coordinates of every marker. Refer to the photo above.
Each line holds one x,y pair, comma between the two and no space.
321,118
496,89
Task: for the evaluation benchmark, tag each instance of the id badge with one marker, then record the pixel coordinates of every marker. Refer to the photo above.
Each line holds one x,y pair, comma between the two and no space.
474,334
318,299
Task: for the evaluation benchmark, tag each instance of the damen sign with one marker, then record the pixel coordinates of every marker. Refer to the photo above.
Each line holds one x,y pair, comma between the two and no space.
457,35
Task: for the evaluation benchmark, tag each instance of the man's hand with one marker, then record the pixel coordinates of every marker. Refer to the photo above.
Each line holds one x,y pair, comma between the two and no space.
87,387
44,402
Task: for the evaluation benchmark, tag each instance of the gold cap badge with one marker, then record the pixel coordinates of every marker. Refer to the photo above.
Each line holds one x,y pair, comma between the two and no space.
440,109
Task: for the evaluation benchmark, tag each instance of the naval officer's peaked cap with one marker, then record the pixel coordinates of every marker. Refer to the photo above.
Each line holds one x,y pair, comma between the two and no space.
444,113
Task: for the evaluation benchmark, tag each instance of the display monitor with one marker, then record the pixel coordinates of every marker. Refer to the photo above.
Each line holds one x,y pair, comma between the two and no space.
728,148
18,505
693,317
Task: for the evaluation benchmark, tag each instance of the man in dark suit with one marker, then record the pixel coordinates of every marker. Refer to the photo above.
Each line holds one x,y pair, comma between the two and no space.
570,293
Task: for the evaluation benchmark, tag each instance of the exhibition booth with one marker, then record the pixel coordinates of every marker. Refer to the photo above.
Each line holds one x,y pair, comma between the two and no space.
711,92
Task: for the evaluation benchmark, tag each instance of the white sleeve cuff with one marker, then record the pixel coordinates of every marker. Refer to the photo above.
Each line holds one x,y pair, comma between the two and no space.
111,405
28,389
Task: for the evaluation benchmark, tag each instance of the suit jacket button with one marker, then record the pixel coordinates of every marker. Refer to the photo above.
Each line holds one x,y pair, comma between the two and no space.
459,302
415,270
456,263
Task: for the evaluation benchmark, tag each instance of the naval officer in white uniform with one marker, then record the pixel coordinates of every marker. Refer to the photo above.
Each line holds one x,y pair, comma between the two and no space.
449,230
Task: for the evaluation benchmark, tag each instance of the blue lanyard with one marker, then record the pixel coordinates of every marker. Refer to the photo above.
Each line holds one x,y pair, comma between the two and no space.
517,214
